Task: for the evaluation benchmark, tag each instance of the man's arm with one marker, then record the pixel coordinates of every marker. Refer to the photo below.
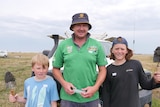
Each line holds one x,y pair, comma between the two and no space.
90,90
68,87
101,76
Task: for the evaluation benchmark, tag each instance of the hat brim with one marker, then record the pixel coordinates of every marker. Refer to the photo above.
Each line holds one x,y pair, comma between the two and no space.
89,25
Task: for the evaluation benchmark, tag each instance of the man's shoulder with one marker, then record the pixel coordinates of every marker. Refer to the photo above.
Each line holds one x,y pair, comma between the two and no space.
94,40
68,40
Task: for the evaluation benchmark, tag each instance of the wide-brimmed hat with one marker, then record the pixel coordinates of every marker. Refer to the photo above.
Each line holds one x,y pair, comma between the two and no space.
80,18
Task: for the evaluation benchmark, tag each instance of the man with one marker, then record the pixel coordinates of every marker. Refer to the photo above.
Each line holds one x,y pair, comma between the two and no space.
79,56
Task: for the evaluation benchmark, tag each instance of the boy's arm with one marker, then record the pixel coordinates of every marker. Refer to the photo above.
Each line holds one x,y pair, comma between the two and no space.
16,98
20,99
53,104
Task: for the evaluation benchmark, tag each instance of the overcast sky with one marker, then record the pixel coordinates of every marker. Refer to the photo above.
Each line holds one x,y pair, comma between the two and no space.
25,24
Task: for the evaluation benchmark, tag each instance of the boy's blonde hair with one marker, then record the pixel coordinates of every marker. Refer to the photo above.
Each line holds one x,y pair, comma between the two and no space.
40,59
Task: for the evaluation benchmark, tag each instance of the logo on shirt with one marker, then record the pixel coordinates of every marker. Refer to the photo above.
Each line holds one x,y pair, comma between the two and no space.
129,70
92,49
114,74
69,49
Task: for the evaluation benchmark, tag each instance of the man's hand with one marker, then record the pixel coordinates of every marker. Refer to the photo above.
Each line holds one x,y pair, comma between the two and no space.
88,92
68,87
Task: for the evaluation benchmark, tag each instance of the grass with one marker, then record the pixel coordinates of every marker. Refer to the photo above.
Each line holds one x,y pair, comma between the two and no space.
19,64
156,102
147,63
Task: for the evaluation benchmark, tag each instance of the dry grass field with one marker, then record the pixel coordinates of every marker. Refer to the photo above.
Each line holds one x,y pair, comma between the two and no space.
19,64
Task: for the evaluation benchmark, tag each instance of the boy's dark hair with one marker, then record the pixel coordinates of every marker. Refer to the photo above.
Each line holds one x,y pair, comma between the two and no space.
121,40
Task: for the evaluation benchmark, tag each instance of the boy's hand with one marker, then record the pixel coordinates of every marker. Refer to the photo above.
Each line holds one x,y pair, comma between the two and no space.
157,77
12,98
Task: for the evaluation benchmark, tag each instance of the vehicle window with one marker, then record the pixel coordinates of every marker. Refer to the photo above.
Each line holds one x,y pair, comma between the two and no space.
106,46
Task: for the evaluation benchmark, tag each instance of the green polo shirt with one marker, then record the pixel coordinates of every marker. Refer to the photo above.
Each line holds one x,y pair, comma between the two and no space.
79,66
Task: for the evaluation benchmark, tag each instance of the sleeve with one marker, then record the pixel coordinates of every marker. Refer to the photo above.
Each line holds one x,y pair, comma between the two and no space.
54,91
25,90
146,82
58,57
101,59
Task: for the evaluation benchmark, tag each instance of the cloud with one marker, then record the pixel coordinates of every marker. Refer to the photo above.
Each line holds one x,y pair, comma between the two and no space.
32,20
